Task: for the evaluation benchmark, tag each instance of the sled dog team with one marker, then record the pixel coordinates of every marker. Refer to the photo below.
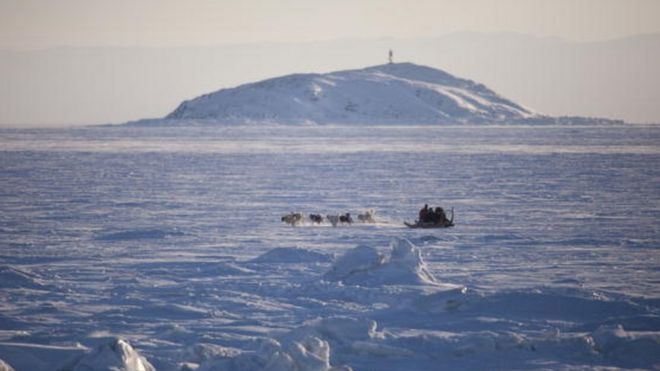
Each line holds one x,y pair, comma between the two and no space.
294,219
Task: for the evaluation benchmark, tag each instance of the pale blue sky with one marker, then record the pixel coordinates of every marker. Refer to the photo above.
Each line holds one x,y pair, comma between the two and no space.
140,58
29,24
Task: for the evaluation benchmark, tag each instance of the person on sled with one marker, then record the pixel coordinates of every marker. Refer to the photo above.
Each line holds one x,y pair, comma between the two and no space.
431,217
424,213
440,216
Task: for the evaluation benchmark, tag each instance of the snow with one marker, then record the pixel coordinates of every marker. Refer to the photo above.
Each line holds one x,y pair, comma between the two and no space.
400,93
5,367
117,355
401,264
310,353
135,247
636,349
15,278
292,255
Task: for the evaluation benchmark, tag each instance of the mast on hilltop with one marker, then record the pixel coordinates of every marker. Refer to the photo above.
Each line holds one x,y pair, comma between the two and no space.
391,56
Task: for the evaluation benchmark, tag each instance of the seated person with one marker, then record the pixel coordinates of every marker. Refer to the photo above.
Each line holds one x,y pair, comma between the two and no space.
440,215
424,213
431,217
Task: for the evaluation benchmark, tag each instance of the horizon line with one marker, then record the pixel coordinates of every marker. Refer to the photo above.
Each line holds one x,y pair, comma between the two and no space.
33,49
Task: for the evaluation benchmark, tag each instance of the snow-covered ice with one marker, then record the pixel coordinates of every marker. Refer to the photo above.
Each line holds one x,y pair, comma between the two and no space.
292,255
140,247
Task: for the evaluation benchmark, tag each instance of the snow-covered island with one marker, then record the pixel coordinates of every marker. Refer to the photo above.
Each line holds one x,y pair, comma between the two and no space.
395,93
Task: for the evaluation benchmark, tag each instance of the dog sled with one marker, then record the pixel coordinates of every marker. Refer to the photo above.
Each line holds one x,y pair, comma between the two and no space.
439,224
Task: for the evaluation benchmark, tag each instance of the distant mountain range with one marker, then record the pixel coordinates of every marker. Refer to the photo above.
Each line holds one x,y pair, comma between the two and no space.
396,93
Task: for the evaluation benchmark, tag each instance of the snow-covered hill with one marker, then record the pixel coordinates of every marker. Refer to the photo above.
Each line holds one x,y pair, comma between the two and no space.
400,93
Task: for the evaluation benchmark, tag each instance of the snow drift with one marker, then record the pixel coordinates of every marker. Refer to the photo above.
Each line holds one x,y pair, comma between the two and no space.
400,93
400,264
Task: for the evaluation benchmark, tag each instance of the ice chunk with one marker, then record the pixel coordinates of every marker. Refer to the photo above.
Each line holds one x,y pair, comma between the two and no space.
346,328
117,355
304,348
354,262
401,264
5,367
202,351
608,337
309,353
636,349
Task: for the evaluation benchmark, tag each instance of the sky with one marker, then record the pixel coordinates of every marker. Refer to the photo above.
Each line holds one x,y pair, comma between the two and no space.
30,24
89,61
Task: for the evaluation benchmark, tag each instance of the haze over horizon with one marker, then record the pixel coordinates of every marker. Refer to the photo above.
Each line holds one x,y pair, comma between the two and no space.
80,62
